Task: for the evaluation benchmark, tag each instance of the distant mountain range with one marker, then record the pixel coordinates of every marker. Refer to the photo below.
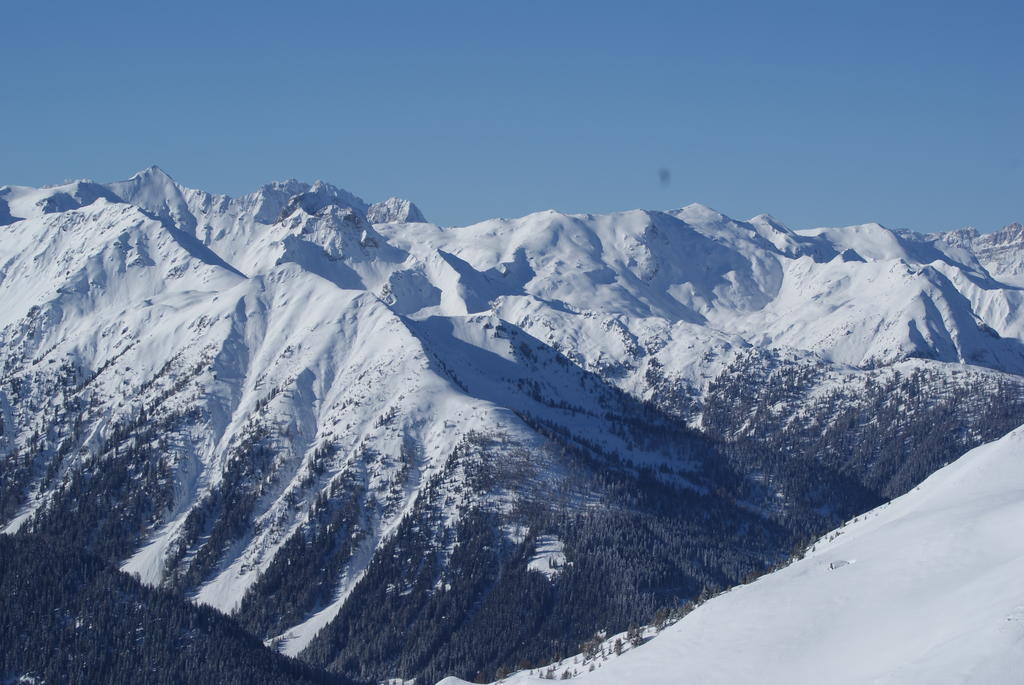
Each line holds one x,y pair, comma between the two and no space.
396,449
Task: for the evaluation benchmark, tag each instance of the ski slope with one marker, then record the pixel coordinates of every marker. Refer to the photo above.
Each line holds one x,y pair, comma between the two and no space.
927,589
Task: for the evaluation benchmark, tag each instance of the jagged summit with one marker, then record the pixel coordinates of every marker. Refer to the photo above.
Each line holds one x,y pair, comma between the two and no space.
1000,252
395,209
322,194
1009,234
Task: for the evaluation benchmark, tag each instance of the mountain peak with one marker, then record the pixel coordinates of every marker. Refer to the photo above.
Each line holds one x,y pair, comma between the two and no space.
697,207
154,191
152,174
769,220
1011,233
395,209
321,195
695,212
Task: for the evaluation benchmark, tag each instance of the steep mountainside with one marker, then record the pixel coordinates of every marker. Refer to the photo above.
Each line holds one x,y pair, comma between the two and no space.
363,434
67,617
924,589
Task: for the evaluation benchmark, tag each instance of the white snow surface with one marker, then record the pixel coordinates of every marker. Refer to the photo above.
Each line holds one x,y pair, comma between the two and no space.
925,589
548,557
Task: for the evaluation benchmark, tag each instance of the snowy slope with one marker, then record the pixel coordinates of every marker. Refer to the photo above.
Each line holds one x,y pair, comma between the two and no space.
925,589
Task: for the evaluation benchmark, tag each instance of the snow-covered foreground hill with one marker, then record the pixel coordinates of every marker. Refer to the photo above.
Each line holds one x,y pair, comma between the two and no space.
363,434
926,589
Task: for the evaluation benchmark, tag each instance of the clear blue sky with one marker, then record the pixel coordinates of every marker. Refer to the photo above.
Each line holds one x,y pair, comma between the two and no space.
820,113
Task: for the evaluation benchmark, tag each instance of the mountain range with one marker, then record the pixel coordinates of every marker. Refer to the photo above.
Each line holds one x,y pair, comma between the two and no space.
397,449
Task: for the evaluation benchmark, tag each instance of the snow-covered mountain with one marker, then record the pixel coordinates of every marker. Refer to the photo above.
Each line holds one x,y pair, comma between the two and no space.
1000,252
293,405
924,589
394,209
